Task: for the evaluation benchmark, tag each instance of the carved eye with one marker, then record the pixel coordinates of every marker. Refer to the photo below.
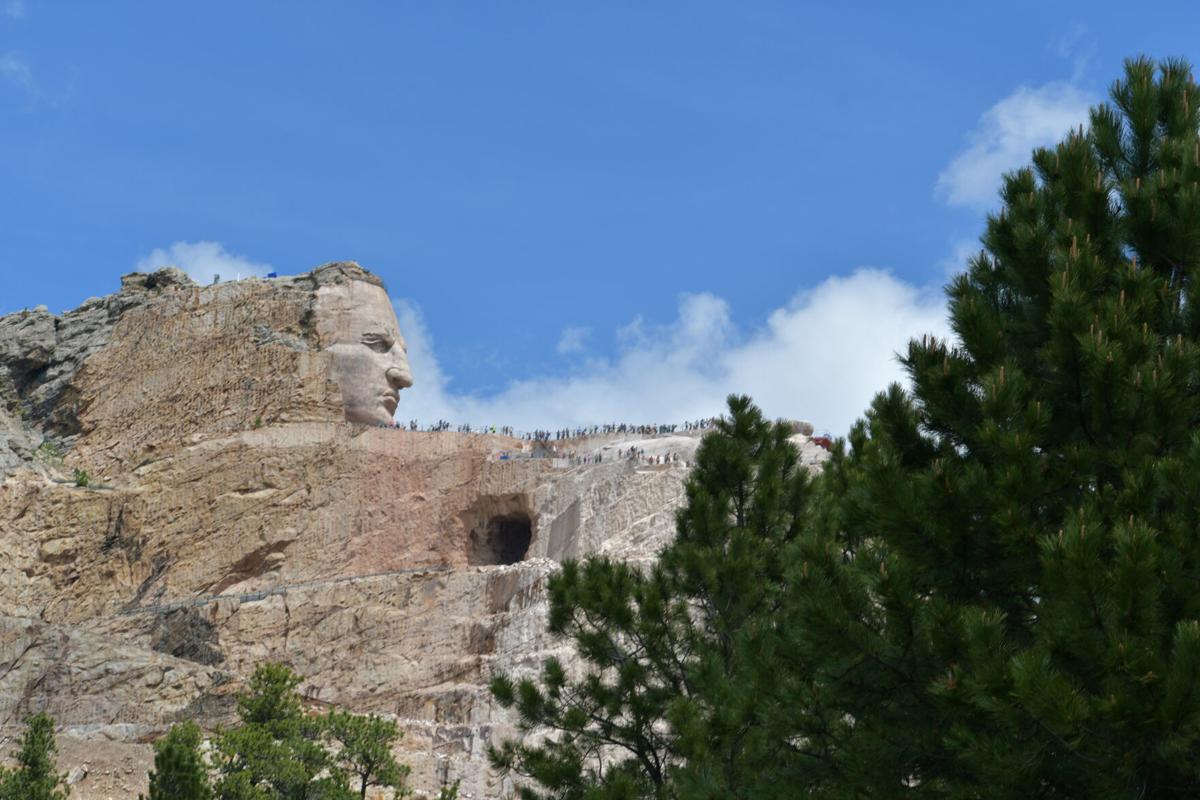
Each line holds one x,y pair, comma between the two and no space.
378,342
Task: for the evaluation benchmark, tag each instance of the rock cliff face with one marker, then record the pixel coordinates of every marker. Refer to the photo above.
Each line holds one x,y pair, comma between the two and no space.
234,516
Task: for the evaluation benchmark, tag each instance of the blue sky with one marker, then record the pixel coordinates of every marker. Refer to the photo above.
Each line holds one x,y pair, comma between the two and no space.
564,198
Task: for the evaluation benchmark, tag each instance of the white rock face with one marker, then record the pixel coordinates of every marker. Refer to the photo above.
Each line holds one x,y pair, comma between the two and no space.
244,520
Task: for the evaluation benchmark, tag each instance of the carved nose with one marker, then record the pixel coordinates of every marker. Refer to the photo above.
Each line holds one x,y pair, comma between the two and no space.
399,378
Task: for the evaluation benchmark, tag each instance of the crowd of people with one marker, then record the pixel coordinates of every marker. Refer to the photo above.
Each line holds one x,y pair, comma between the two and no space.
639,454
443,425
561,434
619,428
574,459
550,442
554,444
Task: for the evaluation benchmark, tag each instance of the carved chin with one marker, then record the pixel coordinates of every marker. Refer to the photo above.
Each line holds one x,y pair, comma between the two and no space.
378,414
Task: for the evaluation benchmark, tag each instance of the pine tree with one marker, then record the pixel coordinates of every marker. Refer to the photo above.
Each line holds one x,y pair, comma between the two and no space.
364,750
179,769
680,696
278,752
36,776
1000,596
281,752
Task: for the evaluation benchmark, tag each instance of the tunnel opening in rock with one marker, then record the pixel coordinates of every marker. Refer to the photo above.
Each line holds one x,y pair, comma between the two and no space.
503,540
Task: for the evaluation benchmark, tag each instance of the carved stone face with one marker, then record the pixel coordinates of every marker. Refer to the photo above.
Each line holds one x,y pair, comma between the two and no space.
357,326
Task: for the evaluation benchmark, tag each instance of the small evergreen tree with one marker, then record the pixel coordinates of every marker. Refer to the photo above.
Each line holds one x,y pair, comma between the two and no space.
35,776
179,769
681,685
365,750
277,752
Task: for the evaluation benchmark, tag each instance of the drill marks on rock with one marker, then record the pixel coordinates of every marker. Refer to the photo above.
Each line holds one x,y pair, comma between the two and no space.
252,597
183,633
157,567
116,537
89,678
262,559
195,360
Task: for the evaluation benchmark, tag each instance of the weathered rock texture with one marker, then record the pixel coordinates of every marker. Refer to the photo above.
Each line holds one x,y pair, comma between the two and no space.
233,517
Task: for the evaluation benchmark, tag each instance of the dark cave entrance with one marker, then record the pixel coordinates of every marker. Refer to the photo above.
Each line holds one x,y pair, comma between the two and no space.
504,540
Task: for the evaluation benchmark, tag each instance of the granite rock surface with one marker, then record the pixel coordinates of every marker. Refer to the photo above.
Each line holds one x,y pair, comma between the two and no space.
233,517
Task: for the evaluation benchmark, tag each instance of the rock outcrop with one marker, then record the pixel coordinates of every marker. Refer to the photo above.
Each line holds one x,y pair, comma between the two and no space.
233,516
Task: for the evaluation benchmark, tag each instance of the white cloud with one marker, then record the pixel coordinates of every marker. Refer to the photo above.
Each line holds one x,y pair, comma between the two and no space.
203,261
961,252
16,72
1005,138
821,357
572,340
1078,46
15,9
